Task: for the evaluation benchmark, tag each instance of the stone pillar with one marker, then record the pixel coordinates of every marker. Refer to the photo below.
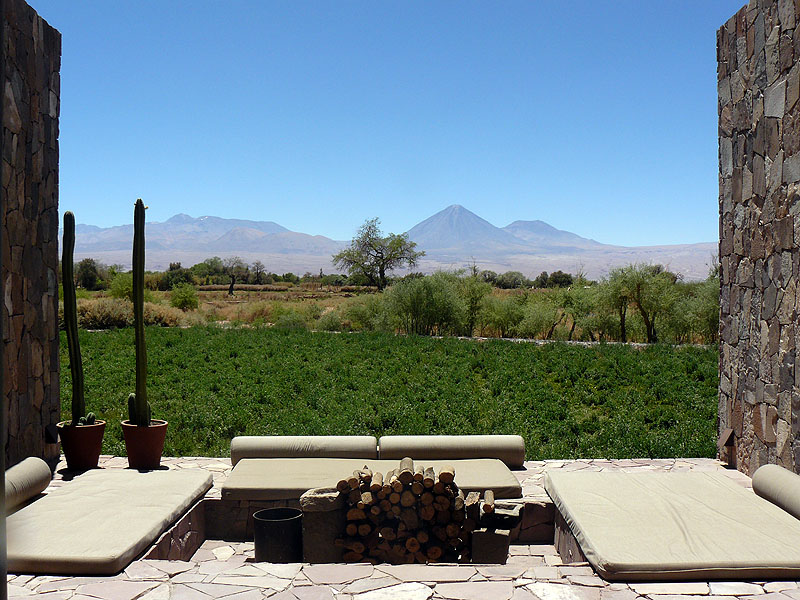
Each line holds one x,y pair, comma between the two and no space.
31,87
758,80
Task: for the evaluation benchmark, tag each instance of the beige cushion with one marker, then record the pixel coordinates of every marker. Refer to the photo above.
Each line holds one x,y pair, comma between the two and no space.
25,480
303,446
780,486
675,526
508,448
100,521
290,478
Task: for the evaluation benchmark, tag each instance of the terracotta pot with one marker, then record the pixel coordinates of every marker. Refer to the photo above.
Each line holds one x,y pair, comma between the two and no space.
144,444
81,444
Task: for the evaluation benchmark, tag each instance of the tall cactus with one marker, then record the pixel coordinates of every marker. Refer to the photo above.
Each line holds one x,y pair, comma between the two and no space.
138,407
71,319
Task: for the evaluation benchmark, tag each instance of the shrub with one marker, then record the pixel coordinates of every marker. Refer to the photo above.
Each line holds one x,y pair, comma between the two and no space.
111,313
503,314
368,313
330,321
312,311
428,305
165,316
183,296
291,321
104,313
259,311
539,317
122,288
472,290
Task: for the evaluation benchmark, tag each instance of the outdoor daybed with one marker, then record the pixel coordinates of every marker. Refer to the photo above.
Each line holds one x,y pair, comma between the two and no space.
284,467
682,526
99,522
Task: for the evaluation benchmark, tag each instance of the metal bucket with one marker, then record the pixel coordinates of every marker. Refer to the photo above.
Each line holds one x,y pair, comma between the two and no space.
278,535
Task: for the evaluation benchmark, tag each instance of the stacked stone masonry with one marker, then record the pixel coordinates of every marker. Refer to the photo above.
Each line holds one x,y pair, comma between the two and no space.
31,88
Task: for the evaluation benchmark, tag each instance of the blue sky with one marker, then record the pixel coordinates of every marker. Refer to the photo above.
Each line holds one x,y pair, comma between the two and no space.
596,117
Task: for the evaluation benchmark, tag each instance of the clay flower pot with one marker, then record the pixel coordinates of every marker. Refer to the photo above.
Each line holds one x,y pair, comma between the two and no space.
81,444
144,444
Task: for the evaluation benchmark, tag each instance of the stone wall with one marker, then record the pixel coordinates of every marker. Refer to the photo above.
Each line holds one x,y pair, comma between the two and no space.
29,236
758,51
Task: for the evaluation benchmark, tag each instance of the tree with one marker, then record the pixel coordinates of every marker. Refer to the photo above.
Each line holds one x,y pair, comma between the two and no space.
87,274
579,305
209,271
559,279
176,275
473,290
511,280
488,276
652,290
541,280
374,255
258,270
235,269
504,314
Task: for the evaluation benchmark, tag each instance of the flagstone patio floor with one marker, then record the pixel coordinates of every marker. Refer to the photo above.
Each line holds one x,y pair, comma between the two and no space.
228,570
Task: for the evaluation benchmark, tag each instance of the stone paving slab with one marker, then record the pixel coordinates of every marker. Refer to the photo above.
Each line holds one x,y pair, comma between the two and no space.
228,570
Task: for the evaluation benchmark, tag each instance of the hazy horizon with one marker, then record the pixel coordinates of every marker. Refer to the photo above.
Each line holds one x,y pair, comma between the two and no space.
386,229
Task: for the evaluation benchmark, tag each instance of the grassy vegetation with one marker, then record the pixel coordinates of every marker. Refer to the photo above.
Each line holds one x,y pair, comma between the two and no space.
566,401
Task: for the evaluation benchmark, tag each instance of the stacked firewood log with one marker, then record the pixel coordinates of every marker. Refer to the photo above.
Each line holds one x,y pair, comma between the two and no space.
410,514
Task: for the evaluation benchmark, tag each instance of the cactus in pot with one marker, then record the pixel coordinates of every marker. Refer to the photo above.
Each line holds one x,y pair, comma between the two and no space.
144,436
138,406
71,319
82,437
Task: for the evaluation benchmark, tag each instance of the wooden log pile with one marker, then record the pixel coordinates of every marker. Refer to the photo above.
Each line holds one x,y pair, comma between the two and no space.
409,515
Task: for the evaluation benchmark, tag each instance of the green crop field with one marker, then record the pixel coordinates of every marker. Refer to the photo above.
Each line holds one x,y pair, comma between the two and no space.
566,401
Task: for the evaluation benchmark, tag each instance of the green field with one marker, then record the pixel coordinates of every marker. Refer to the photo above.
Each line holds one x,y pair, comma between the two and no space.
566,401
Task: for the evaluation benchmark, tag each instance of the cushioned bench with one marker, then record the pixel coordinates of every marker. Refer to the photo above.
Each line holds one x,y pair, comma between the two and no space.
289,478
508,448
101,521
682,526
284,467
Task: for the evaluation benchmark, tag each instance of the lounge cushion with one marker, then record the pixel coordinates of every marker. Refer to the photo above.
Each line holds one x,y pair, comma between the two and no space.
675,526
780,486
508,448
289,478
100,521
303,446
25,480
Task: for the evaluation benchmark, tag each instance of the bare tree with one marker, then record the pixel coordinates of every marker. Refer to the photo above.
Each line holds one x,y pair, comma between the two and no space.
235,268
258,270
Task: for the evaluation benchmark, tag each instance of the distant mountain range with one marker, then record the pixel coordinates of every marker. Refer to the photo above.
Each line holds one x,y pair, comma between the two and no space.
452,239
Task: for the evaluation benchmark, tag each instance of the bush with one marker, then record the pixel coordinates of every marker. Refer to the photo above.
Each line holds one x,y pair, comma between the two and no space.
503,314
329,321
104,313
183,296
428,305
111,313
291,321
122,288
368,313
164,316
540,315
